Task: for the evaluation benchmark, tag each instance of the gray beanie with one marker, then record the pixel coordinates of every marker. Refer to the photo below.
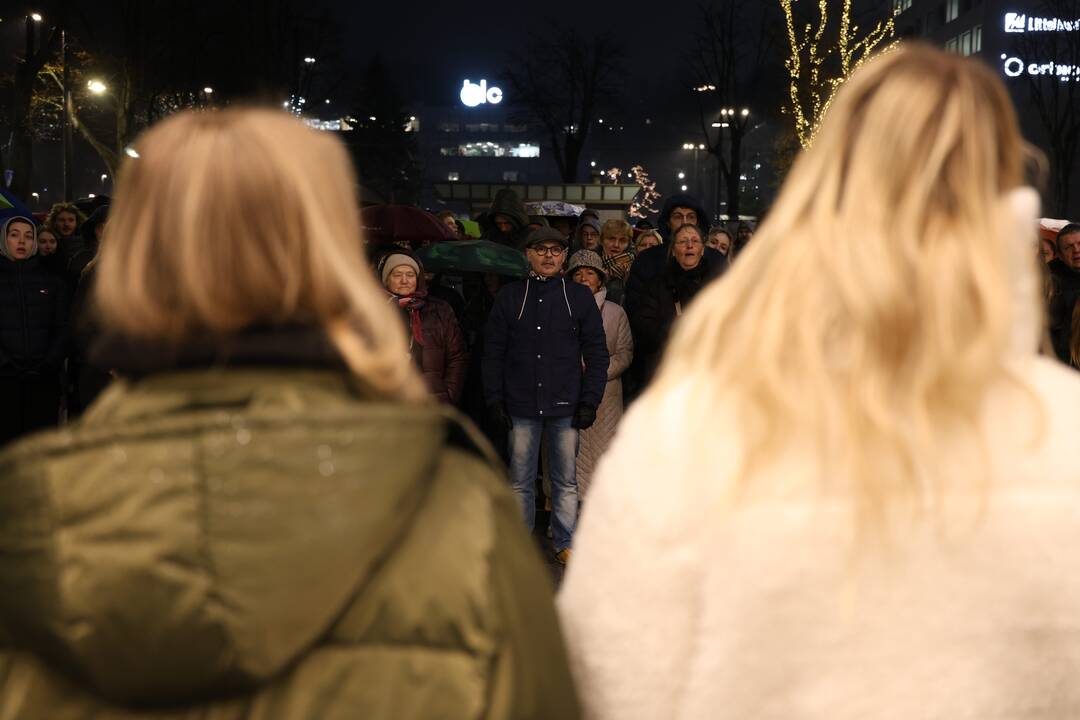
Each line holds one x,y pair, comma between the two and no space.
588,259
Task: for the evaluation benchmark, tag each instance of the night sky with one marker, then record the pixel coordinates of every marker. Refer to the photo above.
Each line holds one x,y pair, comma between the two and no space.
434,45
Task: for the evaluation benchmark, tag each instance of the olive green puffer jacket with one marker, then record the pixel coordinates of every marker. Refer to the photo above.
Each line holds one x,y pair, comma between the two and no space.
262,543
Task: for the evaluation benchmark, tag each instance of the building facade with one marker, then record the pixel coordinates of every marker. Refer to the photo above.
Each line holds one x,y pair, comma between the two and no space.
1031,49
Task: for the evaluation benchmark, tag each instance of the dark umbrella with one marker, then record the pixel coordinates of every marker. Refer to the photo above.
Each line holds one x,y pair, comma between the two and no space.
11,207
402,225
473,256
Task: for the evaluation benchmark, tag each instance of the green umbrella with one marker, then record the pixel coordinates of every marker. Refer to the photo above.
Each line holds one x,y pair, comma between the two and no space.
473,256
472,228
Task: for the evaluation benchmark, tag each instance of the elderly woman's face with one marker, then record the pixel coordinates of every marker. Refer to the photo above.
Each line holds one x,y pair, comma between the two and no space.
688,248
401,280
587,277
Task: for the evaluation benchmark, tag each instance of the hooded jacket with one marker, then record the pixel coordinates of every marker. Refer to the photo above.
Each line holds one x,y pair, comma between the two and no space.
537,339
506,202
257,540
650,263
33,316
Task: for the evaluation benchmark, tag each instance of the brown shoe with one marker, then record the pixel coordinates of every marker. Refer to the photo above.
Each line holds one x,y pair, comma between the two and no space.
563,556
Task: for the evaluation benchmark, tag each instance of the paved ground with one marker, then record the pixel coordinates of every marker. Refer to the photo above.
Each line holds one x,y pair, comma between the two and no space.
547,551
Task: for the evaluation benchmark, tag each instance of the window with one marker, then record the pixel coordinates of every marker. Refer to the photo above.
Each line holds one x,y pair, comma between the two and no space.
899,6
976,39
952,10
964,44
951,44
515,128
510,176
449,127
492,149
453,176
482,127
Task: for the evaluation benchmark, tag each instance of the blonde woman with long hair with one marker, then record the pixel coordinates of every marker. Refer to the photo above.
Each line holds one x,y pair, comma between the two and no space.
852,490
265,517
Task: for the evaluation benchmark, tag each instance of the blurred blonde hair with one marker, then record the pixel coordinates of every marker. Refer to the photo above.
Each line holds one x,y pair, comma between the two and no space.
240,218
872,311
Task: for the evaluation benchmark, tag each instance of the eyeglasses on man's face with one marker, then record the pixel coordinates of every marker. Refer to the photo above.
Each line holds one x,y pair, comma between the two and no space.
552,250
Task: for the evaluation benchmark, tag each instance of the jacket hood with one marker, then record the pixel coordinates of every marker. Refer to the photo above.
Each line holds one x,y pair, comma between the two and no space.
3,235
585,221
506,202
675,201
215,525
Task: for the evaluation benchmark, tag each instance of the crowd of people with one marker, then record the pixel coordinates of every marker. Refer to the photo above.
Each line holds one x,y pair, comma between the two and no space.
822,467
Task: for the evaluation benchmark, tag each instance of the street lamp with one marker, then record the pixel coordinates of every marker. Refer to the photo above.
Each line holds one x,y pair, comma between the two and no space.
97,87
36,17
309,60
208,90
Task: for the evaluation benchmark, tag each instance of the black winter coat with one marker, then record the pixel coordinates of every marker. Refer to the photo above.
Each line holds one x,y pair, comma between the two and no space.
537,339
656,310
1065,295
33,319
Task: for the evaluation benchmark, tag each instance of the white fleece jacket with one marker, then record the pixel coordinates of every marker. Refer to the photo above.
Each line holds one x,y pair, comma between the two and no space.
678,605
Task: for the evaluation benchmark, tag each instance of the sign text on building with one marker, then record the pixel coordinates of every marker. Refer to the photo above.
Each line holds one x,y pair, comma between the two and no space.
473,95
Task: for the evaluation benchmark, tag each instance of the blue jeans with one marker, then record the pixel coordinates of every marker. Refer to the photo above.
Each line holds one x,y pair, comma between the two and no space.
562,446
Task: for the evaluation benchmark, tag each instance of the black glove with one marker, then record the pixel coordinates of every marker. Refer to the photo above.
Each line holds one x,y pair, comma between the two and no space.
584,416
499,416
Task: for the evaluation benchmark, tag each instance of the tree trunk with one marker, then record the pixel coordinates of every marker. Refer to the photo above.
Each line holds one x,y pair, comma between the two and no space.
734,187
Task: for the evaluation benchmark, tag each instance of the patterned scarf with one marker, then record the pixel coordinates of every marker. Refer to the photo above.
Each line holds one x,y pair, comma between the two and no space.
414,304
618,266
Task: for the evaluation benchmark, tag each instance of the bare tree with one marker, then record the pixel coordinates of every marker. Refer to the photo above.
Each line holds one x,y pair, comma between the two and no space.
1056,98
728,65
823,53
563,80
40,46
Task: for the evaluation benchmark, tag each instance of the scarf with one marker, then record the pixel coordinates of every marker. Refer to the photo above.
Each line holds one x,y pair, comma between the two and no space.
618,266
413,304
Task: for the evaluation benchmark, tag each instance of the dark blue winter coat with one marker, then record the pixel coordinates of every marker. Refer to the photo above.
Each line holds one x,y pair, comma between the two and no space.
536,338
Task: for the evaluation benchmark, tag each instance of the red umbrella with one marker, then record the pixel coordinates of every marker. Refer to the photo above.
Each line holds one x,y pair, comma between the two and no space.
402,225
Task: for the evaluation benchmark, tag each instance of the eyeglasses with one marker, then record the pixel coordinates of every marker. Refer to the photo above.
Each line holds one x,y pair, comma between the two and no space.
552,250
688,242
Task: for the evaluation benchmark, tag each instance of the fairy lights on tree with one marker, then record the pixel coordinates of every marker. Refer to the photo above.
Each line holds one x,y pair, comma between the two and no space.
642,204
818,65
613,175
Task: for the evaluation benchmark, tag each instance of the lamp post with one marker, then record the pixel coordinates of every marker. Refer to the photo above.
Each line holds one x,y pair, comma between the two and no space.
696,148
736,122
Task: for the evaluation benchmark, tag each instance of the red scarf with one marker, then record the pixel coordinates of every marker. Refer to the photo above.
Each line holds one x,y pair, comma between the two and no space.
414,304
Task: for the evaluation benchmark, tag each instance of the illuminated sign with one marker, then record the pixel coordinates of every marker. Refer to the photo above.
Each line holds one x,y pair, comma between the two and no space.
1021,23
473,95
1015,67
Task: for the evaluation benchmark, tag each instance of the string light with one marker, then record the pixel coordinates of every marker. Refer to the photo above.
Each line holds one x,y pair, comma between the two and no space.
642,204
810,89
614,174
